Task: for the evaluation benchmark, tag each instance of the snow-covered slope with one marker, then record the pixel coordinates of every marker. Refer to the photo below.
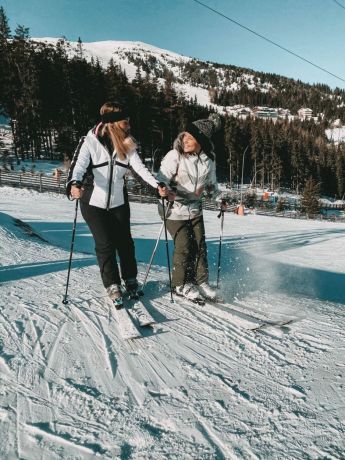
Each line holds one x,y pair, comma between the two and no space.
192,78
200,385
104,51
131,55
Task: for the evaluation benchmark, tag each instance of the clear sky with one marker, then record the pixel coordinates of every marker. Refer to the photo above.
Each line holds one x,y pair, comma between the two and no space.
314,29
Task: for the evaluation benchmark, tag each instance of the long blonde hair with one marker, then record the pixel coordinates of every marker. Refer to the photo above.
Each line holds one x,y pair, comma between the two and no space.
122,142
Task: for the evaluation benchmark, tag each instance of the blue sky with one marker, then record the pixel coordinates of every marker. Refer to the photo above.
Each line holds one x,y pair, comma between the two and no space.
314,29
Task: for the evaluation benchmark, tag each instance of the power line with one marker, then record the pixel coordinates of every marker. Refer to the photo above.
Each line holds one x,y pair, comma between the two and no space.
269,41
341,6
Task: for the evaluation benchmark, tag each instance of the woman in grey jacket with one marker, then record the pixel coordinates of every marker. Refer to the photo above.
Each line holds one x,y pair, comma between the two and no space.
189,172
96,177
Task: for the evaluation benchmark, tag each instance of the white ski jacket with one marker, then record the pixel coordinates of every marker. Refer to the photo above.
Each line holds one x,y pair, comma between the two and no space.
106,187
191,177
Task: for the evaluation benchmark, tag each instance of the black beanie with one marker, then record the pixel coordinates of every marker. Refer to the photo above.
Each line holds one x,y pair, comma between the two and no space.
203,130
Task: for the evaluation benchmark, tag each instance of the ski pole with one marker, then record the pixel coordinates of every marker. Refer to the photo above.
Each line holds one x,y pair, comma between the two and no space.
221,216
141,292
65,301
167,248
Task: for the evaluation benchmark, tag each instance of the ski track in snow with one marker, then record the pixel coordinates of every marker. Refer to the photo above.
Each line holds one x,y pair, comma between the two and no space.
198,385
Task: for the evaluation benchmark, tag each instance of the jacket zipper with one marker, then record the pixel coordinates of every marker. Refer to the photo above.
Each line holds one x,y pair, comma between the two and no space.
197,174
196,182
110,182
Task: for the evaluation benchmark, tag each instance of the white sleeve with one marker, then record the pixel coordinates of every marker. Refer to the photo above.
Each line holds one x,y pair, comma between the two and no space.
139,167
82,163
212,187
169,167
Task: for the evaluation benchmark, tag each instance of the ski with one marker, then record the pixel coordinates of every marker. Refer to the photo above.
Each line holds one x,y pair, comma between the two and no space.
259,322
126,326
225,312
137,309
266,324
140,312
198,301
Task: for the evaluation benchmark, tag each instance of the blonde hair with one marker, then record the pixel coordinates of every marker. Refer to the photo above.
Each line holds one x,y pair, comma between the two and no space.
122,142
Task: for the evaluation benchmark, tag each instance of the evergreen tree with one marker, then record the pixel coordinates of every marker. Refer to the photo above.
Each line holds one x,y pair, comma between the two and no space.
281,205
256,147
5,74
80,52
25,92
310,198
5,31
340,165
230,137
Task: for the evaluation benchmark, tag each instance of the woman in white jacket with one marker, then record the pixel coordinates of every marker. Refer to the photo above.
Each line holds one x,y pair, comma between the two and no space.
96,177
189,172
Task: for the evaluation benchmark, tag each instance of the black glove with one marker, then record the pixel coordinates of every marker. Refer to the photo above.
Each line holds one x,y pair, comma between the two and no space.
162,185
76,183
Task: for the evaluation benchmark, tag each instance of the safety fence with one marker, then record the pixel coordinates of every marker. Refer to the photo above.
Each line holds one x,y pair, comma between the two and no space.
300,215
137,192
35,181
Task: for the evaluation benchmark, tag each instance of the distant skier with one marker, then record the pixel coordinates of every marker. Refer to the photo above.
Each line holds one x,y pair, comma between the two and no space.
190,172
96,176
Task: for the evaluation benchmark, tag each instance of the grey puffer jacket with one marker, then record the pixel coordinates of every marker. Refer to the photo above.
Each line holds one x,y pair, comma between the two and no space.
190,176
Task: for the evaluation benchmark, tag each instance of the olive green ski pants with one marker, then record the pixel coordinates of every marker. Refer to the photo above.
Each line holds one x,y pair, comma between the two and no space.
190,251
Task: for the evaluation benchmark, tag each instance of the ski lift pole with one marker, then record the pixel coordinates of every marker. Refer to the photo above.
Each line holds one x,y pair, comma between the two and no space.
221,217
65,301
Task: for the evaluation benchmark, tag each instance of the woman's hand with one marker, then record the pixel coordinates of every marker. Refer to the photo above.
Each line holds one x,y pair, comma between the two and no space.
163,190
76,192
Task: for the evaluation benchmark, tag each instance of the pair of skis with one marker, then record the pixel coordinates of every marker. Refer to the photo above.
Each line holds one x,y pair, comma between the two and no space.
258,323
131,316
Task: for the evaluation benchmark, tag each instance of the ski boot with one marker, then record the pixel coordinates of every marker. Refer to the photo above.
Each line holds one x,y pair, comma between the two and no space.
190,292
132,288
115,294
208,292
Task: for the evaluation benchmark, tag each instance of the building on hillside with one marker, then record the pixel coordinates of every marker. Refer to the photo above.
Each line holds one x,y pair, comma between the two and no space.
244,113
284,113
305,113
238,111
265,112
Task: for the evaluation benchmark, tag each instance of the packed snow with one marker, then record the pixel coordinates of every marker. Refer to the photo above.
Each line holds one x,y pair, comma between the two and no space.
202,383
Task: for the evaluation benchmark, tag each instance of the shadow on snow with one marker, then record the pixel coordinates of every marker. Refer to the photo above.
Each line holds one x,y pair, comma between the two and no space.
241,271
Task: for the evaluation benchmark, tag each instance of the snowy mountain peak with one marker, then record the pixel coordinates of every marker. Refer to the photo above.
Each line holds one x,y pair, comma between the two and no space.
224,87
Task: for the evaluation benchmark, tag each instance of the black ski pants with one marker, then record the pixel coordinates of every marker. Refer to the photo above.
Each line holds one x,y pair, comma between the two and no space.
111,232
190,251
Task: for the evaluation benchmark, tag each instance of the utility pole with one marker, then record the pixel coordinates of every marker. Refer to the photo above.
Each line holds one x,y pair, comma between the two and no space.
230,169
241,207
